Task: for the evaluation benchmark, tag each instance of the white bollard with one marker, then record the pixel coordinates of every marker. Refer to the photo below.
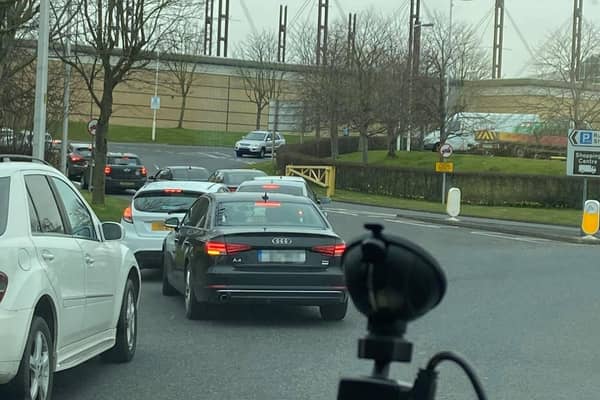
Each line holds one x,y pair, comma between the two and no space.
453,204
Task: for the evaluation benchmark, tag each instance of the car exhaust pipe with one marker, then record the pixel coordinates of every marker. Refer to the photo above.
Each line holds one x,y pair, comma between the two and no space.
224,297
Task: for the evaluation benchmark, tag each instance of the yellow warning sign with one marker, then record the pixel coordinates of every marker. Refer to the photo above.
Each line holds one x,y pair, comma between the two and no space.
486,135
447,167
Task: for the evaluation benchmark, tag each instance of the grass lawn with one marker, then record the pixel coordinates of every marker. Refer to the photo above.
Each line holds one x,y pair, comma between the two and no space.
464,162
112,210
136,134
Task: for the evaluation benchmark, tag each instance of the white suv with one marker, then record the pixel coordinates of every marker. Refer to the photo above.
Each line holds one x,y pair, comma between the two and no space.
69,288
144,219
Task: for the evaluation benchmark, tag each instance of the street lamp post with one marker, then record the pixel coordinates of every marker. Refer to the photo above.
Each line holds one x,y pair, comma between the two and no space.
66,97
155,106
41,83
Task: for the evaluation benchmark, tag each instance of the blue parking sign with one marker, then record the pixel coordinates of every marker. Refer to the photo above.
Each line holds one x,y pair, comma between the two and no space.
586,137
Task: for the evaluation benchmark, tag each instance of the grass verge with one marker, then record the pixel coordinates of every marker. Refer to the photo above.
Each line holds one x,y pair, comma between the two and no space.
189,137
463,162
112,210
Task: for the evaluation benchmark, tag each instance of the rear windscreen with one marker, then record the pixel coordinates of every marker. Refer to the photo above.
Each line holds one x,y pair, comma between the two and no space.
269,214
165,201
123,161
272,188
190,174
84,151
235,178
4,184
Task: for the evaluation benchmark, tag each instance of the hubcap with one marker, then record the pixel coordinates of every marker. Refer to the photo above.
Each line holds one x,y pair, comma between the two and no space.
130,320
188,290
39,368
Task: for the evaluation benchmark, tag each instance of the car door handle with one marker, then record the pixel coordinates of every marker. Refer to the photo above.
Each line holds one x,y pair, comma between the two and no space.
89,260
46,255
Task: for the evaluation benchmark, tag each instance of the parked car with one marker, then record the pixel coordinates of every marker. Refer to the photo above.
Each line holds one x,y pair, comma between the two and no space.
460,141
251,248
181,173
69,288
123,171
143,220
78,157
293,185
258,143
233,177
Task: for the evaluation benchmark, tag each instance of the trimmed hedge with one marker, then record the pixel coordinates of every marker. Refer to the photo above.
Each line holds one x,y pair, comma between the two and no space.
494,189
346,144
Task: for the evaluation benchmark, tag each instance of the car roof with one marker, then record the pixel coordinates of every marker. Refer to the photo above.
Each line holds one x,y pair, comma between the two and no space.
10,167
80,144
239,170
116,154
258,182
176,167
183,185
280,178
257,196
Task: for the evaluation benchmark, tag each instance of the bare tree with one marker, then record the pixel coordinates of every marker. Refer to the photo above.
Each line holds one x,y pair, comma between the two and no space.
264,77
114,41
571,98
452,59
182,45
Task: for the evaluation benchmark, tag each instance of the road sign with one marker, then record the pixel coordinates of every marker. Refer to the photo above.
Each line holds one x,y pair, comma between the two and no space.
155,103
446,150
445,167
583,153
92,126
590,223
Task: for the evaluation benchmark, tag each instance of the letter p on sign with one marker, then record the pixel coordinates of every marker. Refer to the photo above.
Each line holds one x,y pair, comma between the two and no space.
590,223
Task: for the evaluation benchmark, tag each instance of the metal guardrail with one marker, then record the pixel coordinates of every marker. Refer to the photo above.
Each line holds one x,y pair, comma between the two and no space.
323,176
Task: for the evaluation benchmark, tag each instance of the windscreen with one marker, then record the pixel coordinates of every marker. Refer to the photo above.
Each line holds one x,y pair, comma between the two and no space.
165,201
123,161
255,136
4,186
194,174
269,214
272,188
235,178
84,151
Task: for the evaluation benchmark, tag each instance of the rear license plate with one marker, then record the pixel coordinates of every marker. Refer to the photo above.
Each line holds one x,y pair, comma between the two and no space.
127,184
282,256
159,226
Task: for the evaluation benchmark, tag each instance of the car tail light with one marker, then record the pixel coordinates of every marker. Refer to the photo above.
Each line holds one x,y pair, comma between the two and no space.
107,170
267,204
3,285
75,158
214,248
144,171
334,250
128,215
173,191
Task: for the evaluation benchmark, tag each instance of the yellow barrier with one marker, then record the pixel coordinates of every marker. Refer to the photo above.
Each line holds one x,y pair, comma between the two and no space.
323,176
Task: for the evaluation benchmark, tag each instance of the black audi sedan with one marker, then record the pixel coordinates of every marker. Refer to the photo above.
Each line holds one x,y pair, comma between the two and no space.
254,248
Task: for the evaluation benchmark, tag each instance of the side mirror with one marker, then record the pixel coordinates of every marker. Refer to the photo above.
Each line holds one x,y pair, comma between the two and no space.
172,223
324,200
112,231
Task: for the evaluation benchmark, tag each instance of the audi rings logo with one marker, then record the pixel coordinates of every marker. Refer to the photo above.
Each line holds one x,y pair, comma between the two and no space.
281,240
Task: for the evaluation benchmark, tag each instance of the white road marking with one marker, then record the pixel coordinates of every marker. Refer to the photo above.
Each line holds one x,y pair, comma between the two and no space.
507,237
341,212
422,225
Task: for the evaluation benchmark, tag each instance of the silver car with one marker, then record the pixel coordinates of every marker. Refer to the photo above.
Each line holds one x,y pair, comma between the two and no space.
259,143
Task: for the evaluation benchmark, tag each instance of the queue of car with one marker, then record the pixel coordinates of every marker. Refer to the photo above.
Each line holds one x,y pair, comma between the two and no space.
70,284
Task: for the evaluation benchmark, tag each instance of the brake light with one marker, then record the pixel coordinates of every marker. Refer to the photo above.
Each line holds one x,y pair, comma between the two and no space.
271,186
173,191
128,215
3,285
107,170
267,204
214,248
144,171
334,250
75,158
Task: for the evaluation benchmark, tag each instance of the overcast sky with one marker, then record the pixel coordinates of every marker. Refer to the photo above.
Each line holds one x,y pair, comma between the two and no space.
534,18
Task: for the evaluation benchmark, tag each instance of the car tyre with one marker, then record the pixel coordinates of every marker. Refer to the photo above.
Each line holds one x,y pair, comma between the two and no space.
84,182
32,380
167,288
238,154
127,327
334,312
262,153
194,309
